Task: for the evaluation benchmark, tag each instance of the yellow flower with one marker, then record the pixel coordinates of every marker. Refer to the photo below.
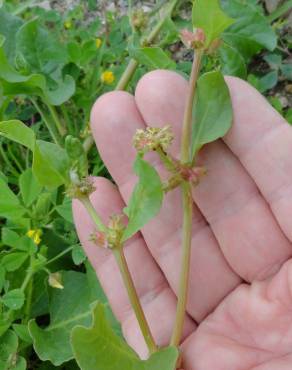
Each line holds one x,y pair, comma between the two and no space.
35,235
107,77
98,43
68,24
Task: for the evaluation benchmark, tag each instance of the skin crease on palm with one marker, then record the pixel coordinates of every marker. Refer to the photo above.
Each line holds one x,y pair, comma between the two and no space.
240,294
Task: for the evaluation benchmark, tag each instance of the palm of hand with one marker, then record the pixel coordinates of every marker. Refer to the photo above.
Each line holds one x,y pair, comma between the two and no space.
239,307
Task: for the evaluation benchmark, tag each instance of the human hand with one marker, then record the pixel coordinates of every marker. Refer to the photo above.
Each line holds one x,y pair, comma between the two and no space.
240,293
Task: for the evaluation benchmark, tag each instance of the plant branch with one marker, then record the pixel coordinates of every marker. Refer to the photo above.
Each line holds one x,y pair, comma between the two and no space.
8,162
93,214
154,33
47,122
134,299
127,75
16,161
127,279
28,300
187,206
62,130
187,122
133,64
58,256
185,264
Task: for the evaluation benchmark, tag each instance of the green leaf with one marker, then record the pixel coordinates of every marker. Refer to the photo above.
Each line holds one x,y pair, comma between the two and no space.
18,132
208,15
29,187
26,244
43,205
152,57
9,237
50,164
74,51
212,110
14,83
268,81
13,261
78,255
68,307
9,358
22,331
232,62
287,70
9,25
274,60
65,210
14,299
251,32
10,206
99,348
146,199
63,92
40,49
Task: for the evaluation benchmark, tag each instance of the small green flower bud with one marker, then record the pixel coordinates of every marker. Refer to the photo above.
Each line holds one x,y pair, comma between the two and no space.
80,188
115,230
73,147
153,138
139,19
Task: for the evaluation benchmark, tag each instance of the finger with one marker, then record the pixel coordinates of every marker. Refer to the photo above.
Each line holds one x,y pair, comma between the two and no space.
227,197
251,329
283,363
115,119
262,141
156,297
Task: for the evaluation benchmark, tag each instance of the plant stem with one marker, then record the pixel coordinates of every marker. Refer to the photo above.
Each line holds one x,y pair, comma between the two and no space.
48,123
72,130
28,300
187,122
281,10
7,161
187,207
21,8
127,75
154,33
27,279
16,161
93,214
24,284
65,251
134,299
62,130
157,7
127,279
185,264
95,73
133,64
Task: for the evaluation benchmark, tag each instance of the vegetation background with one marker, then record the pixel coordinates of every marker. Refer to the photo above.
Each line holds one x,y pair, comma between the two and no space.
56,58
